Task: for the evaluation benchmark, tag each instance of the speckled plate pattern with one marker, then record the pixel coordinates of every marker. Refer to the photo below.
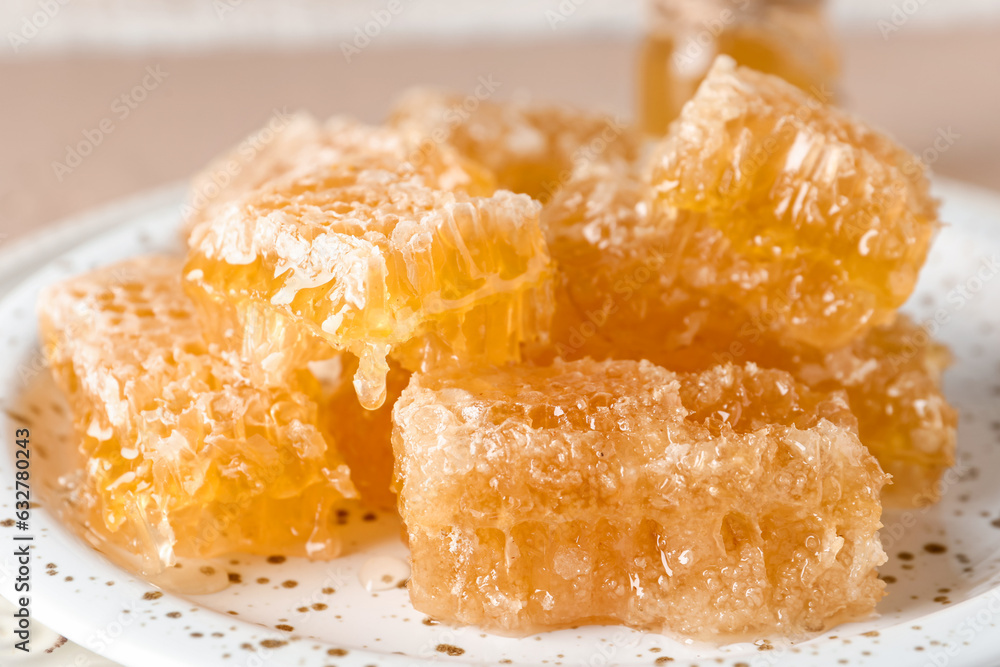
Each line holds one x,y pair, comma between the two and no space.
943,575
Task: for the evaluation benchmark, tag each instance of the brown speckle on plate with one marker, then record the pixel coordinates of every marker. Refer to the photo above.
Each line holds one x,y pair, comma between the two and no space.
58,644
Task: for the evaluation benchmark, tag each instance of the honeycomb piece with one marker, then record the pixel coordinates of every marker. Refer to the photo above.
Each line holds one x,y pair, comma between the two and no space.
290,143
364,437
181,454
369,261
893,379
531,149
792,210
787,39
732,503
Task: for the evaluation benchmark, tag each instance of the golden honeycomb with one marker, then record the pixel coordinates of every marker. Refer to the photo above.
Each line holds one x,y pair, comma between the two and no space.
730,503
795,211
531,149
893,379
373,262
293,142
183,455
617,298
787,39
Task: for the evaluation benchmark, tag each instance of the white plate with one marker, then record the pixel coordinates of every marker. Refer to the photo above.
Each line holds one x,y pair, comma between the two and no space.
943,608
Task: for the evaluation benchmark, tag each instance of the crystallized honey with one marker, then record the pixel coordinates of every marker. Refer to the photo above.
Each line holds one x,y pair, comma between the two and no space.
730,503
182,454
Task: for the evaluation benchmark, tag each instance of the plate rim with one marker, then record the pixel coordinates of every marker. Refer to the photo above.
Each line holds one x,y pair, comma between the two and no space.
76,233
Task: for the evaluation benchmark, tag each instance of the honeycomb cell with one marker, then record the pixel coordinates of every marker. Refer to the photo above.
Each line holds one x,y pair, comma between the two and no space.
290,143
372,262
730,503
182,455
791,209
531,149
617,298
787,39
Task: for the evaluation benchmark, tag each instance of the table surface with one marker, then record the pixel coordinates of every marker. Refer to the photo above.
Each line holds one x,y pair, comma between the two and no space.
922,85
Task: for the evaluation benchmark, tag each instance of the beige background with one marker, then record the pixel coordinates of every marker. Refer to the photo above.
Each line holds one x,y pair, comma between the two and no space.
921,81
